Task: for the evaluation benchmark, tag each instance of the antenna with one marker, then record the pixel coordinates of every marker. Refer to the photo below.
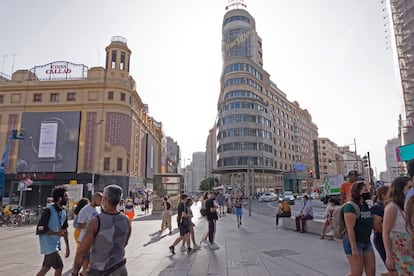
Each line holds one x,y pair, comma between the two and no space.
12,69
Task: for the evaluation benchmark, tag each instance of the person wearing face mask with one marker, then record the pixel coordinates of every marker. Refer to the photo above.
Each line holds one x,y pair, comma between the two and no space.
357,238
399,258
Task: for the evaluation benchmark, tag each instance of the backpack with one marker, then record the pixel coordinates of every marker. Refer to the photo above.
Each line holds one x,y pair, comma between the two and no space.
338,220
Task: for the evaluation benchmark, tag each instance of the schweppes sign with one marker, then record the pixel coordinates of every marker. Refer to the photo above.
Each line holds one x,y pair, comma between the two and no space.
237,41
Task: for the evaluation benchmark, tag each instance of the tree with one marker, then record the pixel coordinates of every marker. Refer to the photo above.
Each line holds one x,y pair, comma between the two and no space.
207,184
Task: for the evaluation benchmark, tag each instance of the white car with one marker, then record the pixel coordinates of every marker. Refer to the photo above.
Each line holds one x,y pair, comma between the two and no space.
267,197
314,195
287,196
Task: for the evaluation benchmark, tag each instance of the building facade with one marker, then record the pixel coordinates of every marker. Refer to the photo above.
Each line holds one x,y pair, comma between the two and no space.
402,14
393,168
260,136
80,125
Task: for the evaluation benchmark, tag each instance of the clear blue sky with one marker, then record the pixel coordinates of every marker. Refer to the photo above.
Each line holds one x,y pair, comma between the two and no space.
329,55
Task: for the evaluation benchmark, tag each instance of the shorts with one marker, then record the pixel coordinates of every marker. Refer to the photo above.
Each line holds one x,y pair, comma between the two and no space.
239,211
52,260
363,248
184,230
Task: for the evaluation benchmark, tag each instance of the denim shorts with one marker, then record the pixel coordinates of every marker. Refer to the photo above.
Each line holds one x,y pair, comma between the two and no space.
362,247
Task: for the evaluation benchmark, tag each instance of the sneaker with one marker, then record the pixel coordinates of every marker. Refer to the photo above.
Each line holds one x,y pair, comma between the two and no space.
172,250
183,248
190,250
196,247
205,242
214,246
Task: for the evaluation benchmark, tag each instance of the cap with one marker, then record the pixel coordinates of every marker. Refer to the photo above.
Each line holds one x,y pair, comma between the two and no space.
353,173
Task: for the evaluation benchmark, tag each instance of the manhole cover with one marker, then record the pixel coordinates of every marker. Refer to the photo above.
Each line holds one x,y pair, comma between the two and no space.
280,252
244,263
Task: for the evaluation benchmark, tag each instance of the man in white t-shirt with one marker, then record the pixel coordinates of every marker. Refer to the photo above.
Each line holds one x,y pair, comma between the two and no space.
85,214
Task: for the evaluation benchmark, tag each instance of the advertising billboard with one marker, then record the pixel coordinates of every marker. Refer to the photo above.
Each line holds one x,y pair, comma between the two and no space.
51,142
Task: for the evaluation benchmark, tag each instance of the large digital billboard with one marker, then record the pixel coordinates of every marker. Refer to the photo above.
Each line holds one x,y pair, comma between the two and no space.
50,142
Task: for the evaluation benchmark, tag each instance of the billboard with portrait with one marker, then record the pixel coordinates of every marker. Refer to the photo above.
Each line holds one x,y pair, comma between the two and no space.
50,143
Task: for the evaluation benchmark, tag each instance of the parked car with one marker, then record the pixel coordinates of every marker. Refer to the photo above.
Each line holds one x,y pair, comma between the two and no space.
287,196
267,197
314,195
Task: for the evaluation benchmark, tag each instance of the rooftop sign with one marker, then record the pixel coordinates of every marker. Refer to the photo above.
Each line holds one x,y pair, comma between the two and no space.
60,70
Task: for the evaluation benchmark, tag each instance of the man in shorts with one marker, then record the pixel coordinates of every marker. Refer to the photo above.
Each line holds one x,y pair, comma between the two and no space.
184,226
52,226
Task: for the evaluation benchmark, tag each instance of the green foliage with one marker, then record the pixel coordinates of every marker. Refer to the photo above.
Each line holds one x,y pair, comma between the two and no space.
207,184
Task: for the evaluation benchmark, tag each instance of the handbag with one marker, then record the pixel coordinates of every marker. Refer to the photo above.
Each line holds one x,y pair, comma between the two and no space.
203,212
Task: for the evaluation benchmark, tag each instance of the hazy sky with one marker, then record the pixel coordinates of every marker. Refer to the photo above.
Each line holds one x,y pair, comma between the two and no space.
329,55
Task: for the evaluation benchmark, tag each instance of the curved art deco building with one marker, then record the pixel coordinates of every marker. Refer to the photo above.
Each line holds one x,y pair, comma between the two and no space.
256,131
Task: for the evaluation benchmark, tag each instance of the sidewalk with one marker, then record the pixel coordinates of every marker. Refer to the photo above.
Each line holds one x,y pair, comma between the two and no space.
256,248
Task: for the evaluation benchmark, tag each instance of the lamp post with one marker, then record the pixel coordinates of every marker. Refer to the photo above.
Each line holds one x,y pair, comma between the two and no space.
98,159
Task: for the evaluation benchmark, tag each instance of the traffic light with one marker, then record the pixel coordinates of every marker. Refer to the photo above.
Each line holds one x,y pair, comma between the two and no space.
311,173
365,161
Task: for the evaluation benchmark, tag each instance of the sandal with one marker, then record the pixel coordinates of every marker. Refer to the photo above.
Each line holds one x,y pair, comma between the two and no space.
322,237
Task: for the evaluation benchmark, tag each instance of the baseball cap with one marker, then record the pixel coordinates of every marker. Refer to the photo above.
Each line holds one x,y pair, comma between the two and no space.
353,173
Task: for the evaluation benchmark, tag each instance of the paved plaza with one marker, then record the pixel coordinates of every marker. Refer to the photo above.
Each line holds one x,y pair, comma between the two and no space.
257,248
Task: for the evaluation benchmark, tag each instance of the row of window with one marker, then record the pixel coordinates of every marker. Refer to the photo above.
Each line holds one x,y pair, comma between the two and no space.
245,146
236,67
244,105
54,97
70,96
244,132
256,161
241,80
241,93
236,18
244,118
119,164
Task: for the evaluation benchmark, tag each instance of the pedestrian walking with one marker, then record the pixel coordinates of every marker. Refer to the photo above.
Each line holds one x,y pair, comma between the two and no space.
220,202
106,237
377,211
356,240
183,225
166,215
396,238
212,218
85,215
238,204
192,225
76,232
53,225
129,209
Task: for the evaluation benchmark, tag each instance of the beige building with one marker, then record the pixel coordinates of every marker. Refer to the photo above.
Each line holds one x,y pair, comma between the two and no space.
81,125
260,141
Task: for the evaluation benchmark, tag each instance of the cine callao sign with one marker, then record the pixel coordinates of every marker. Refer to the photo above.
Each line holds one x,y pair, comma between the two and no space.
59,70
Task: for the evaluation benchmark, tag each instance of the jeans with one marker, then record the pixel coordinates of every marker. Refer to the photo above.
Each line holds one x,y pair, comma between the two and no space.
211,230
379,245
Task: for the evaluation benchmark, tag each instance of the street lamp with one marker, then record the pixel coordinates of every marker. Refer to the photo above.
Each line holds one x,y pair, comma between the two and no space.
93,161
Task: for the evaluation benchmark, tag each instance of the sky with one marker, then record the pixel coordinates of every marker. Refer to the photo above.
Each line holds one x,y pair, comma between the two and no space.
331,56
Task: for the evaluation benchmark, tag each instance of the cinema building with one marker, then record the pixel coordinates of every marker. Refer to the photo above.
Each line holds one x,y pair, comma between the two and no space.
81,125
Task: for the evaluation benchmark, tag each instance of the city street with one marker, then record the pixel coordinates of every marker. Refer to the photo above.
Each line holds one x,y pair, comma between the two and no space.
257,248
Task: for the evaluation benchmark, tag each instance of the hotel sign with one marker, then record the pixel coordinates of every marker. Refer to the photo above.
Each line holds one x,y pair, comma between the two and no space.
59,70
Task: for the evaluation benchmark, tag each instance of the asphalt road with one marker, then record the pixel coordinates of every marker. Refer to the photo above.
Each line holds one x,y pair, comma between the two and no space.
269,208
